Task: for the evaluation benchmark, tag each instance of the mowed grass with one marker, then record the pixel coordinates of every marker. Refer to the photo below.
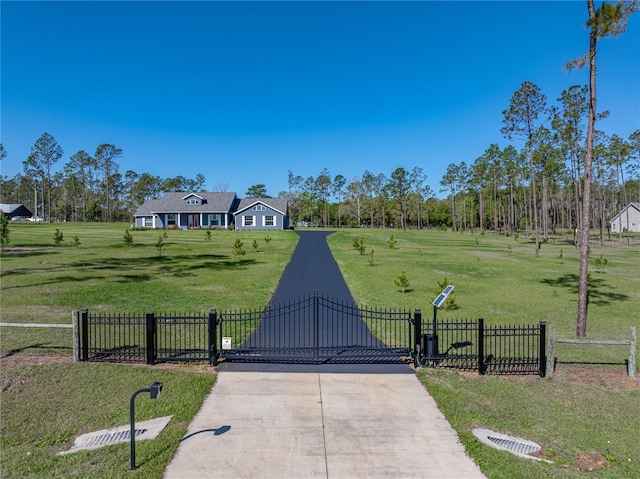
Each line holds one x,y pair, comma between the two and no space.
588,425
499,279
44,283
44,407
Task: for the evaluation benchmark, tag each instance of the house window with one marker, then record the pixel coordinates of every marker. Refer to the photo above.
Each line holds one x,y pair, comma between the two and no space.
193,201
214,220
269,220
171,219
147,221
258,208
247,221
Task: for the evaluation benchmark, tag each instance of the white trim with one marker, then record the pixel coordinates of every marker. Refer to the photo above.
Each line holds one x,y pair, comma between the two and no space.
192,194
261,202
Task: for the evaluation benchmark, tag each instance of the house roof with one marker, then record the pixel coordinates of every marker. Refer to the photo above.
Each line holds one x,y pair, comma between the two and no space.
10,208
174,202
635,206
278,204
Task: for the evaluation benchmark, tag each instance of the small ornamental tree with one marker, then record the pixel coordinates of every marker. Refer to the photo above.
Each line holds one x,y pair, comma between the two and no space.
160,245
76,241
392,242
255,245
267,239
58,237
402,282
238,249
601,263
128,238
207,236
4,230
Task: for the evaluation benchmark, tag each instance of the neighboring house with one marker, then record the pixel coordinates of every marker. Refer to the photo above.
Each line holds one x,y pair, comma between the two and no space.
628,220
15,211
212,210
187,210
262,214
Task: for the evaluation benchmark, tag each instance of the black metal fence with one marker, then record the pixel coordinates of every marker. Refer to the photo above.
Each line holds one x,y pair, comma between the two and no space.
147,337
313,330
495,349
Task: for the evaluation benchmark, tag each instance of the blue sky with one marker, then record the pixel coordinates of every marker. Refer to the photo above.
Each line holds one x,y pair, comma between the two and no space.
243,92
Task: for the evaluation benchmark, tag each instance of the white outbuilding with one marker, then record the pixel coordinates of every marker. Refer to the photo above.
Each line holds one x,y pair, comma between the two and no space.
628,220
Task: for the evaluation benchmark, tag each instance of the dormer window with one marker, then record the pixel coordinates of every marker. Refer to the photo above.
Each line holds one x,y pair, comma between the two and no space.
258,208
193,201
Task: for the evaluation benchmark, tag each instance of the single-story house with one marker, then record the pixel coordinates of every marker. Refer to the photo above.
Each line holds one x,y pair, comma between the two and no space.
262,214
187,210
212,210
15,210
628,220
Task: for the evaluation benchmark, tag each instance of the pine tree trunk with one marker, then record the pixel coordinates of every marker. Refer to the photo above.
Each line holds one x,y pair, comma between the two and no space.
583,293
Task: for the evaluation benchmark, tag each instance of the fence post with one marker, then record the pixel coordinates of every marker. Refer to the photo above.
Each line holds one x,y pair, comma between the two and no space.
75,324
213,340
417,332
85,334
481,366
631,366
151,339
543,347
551,351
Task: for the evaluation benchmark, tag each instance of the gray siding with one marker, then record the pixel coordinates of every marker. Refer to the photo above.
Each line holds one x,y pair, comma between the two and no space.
260,219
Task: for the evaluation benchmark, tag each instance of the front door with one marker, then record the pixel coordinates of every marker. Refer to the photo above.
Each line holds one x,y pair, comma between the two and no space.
193,221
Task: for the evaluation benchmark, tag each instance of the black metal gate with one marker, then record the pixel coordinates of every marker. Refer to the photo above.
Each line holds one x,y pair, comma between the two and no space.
316,329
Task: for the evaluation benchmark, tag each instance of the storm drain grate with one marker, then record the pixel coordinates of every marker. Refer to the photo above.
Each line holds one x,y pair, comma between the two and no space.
516,445
513,446
106,439
93,440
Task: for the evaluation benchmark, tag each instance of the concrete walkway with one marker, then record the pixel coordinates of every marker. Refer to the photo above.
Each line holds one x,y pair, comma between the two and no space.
320,425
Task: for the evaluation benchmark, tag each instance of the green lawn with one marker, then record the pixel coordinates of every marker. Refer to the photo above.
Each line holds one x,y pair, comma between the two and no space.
576,420
505,282
44,407
500,279
44,283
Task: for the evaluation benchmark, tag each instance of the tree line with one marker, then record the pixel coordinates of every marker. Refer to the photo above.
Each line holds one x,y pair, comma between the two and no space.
87,187
534,190
535,185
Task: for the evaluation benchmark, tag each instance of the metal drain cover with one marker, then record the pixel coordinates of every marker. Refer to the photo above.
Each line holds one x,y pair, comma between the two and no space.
515,445
144,430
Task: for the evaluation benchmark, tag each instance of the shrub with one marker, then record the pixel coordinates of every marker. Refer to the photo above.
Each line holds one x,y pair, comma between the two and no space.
4,230
128,238
402,281
58,237
160,245
238,249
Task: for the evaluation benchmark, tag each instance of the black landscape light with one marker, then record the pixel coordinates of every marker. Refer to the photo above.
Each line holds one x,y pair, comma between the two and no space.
154,391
